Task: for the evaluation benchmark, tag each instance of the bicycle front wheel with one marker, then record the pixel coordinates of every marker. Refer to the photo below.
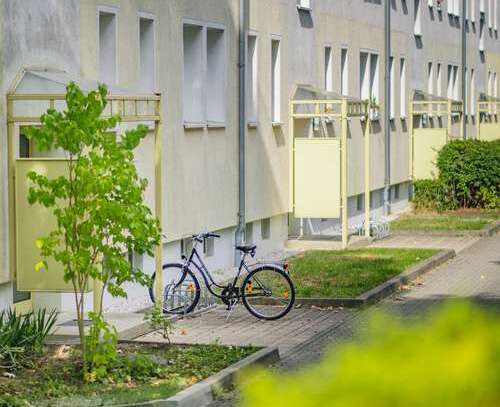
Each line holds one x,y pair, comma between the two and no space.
268,293
181,291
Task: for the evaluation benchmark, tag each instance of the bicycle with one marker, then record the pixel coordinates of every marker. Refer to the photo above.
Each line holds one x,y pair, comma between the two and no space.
266,291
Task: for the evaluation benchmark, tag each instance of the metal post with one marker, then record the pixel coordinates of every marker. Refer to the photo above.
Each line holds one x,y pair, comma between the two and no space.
158,207
343,171
463,125
240,230
387,113
367,173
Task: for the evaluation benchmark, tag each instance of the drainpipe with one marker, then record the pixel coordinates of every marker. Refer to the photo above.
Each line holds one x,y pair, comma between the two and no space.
240,230
464,62
387,110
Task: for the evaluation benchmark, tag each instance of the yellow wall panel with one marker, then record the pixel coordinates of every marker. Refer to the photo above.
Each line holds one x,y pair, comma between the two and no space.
32,223
489,131
426,144
317,178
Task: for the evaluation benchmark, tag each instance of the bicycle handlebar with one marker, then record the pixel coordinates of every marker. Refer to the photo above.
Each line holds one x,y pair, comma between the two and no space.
202,236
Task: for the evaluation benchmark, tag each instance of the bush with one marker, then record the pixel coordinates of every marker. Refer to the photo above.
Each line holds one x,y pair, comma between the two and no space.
469,177
451,360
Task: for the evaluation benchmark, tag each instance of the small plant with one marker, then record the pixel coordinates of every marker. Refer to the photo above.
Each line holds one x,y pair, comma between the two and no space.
23,334
159,322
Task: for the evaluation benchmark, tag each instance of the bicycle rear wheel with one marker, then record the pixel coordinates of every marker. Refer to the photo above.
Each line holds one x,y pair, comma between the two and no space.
181,292
268,292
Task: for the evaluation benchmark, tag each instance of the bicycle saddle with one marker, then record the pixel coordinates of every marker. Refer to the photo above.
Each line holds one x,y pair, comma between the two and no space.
247,248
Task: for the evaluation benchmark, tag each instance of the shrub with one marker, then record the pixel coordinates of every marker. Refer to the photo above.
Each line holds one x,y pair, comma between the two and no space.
471,171
469,177
452,359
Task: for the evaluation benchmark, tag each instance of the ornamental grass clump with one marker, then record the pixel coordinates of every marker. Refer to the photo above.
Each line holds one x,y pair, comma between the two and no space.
100,211
453,359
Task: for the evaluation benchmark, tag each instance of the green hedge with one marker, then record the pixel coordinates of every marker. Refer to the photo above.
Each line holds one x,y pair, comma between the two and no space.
469,177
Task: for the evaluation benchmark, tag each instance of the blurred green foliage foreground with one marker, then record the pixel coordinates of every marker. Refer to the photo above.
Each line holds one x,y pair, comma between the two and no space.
451,359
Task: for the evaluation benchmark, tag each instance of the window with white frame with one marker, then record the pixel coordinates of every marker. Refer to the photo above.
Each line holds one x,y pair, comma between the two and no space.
449,88
402,87
495,85
107,46
456,90
216,76
275,81
369,77
417,19
430,78
392,104
328,73
490,13
204,75
439,80
265,228
490,84
466,103
252,71
481,35
344,72
194,80
472,93
147,53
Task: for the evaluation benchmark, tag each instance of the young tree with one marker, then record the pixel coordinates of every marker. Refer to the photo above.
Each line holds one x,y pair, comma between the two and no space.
98,205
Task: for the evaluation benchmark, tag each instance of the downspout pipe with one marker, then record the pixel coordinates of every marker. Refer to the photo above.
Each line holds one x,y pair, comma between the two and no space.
240,230
464,69
387,110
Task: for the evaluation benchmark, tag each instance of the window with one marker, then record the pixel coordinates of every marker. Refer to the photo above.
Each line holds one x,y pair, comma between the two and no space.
147,53
490,13
482,6
265,228
490,84
216,74
453,89
430,78
456,94
275,81
186,246
472,14
402,87
495,15
209,247
417,23
249,233
439,80
328,69
107,46
204,75
466,97
395,192
369,80
456,7
481,35
344,72
193,91
392,104
252,70
495,85
360,202
472,92
450,6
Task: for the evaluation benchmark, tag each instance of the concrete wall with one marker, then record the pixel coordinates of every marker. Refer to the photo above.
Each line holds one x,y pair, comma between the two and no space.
201,164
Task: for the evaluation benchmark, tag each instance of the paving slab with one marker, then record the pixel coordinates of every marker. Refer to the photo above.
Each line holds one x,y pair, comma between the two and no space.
457,243
243,329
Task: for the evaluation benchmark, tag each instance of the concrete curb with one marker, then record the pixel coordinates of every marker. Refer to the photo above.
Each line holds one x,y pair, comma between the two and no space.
383,290
487,231
201,394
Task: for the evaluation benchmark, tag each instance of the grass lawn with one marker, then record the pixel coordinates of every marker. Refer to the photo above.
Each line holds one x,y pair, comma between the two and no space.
349,273
446,221
52,379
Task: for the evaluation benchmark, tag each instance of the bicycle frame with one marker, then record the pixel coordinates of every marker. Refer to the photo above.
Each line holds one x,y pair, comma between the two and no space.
196,260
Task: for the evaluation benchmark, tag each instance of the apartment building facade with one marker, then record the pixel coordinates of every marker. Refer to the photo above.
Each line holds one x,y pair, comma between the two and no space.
187,51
